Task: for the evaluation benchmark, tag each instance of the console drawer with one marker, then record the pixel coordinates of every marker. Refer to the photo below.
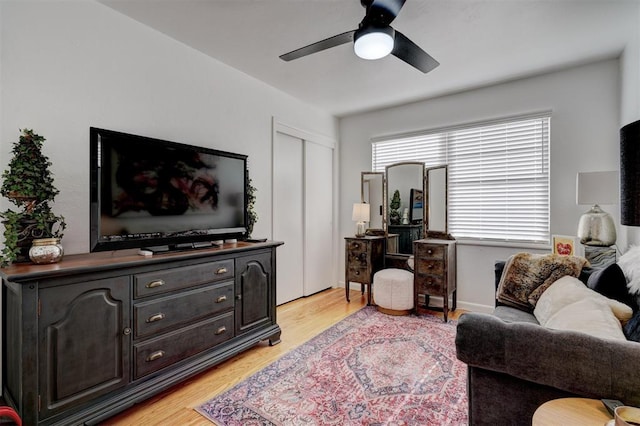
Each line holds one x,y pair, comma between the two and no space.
152,355
170,312
150,283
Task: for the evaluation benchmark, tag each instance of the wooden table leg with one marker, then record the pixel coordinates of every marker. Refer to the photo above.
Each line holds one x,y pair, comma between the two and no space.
346,286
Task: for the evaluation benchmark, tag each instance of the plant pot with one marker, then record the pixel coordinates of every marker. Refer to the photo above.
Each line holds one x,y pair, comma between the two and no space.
46,250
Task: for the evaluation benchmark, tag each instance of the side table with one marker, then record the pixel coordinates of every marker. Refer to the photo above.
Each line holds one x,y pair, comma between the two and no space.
364,256
571,411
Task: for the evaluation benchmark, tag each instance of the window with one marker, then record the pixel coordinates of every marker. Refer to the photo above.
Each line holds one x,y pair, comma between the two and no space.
498,175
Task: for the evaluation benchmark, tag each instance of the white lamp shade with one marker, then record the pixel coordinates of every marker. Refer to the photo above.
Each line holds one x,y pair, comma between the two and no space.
360,212
597,188
373,45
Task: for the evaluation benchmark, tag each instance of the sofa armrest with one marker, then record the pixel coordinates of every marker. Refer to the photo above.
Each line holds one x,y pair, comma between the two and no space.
571,361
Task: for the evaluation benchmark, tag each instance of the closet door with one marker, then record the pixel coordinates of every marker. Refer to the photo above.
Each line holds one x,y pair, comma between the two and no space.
288,180
318,195
303,209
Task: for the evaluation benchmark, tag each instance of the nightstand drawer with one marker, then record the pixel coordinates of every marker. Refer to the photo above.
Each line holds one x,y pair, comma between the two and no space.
429,266
432,285
358,274
358,246
428,251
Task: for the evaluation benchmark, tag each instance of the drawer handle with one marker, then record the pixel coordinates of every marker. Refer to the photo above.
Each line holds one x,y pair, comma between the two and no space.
221,271
356,245
154,284
155,355
221,330
430,251
357,272
221,299
156,317
430,266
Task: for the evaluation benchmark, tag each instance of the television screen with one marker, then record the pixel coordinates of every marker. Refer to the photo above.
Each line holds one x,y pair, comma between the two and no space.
150,192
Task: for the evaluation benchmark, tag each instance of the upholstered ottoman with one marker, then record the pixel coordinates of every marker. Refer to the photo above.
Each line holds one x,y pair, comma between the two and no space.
393,293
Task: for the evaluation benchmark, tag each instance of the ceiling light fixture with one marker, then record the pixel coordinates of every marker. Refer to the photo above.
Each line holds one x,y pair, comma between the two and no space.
373,43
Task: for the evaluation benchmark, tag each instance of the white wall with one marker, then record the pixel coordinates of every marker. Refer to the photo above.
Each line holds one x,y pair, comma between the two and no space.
585,104
69,65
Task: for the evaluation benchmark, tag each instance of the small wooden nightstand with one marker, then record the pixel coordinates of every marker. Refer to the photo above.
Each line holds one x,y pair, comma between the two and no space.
364,256
434,273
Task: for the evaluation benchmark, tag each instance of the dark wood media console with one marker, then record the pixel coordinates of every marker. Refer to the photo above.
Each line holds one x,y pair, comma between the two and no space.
96,333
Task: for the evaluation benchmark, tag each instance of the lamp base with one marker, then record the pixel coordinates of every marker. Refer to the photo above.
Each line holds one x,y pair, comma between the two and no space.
360,229
596,228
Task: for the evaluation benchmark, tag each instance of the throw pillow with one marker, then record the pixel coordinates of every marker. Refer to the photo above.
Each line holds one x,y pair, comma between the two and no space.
589,316
611,283
629,262
526,276
568,290
632,328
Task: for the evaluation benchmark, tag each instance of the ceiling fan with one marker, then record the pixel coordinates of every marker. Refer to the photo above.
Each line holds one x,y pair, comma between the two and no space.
375,38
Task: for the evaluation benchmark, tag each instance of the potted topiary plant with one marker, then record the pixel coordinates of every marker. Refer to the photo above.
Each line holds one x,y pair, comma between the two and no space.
394,205
28,183
252,215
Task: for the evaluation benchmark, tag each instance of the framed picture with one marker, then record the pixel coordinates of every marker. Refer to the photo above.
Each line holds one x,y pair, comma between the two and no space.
566,245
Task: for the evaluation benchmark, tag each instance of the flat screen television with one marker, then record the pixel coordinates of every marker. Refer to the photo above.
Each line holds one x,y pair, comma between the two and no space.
162,195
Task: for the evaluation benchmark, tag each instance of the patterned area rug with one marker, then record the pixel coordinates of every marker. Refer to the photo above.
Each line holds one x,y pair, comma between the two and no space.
369,369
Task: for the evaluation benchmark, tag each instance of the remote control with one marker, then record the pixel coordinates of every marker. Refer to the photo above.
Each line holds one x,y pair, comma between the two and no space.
611,405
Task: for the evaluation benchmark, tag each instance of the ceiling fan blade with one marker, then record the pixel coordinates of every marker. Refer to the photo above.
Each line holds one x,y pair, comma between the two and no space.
319,46
409,52
380,13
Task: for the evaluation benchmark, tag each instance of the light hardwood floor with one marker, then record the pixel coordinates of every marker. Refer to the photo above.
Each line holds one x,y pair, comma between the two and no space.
300,320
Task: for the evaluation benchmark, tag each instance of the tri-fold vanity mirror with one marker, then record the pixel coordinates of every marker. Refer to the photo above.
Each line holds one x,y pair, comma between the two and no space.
408,202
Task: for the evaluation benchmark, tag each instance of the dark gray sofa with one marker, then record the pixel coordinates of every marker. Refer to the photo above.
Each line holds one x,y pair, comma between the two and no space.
515,365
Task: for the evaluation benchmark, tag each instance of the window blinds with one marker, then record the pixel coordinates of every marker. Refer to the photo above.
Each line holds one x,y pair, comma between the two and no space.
498,175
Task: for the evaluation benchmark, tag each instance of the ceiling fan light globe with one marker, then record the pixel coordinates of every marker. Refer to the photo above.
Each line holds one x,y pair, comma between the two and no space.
373,44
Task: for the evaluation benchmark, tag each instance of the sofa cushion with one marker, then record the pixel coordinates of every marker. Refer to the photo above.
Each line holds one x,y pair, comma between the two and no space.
632,328
526,276
611,283
590,316
510,314
568,290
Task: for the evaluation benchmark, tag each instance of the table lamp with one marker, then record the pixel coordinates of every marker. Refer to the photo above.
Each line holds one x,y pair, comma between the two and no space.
596,227
360,215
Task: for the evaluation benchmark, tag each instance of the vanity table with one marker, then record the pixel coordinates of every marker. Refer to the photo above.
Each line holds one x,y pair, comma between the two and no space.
434,274
415,213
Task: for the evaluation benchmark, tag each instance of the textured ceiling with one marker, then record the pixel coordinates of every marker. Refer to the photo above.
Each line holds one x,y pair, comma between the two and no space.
477,42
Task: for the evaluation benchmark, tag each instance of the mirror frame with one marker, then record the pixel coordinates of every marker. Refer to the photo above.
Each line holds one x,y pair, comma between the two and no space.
439,234
362,200
385,210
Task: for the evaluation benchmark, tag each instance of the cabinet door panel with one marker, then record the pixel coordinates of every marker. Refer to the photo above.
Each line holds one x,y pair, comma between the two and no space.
84,351
255,290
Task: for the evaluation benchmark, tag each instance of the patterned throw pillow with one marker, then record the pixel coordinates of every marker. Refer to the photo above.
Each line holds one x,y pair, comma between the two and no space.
526,276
